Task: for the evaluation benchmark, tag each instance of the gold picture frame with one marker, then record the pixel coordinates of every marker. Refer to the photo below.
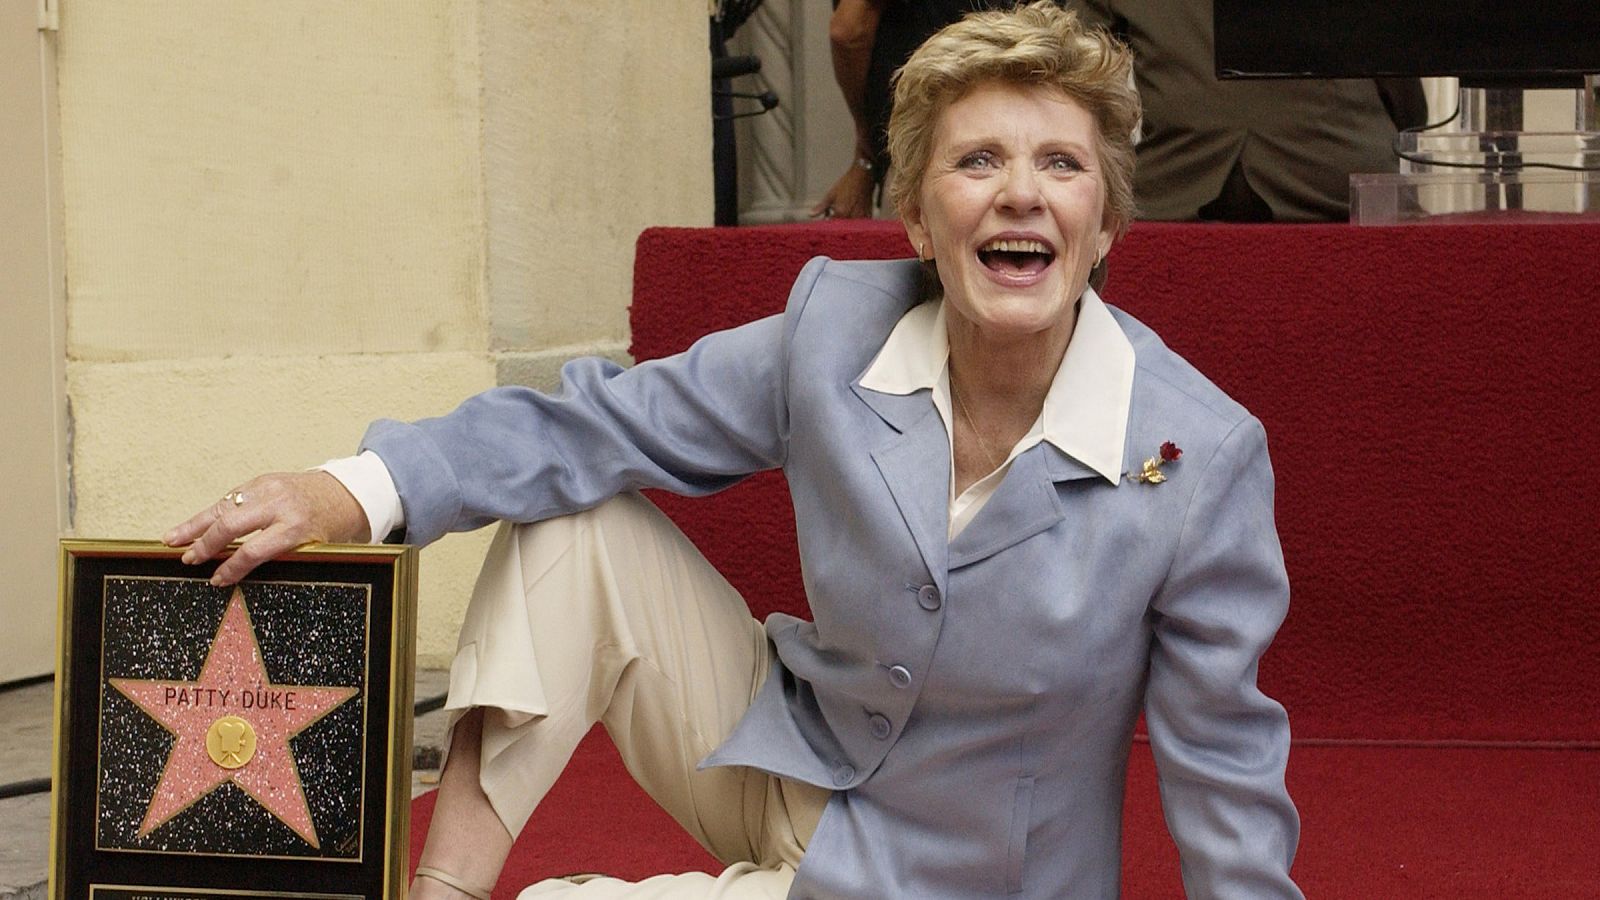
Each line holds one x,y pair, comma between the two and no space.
248,741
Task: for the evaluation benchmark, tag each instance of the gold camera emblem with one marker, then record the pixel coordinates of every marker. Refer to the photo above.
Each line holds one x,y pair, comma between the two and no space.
231,741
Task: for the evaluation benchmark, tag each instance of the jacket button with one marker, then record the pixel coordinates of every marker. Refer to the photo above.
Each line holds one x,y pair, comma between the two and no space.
928,598
844,774
900,676
881,727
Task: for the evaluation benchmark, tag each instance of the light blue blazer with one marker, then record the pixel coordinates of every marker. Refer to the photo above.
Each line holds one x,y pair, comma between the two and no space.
970,702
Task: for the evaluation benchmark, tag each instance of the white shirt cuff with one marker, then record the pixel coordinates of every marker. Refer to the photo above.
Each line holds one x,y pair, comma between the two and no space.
368,480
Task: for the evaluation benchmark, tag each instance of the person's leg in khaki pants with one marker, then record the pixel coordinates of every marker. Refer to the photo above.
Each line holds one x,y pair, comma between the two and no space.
612,615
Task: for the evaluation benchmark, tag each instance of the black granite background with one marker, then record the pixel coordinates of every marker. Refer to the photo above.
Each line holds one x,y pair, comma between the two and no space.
161,628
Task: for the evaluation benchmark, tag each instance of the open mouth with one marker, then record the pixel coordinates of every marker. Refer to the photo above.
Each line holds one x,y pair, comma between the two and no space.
1016,257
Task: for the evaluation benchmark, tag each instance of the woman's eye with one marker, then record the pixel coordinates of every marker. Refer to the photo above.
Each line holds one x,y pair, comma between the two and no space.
1063,162
980,160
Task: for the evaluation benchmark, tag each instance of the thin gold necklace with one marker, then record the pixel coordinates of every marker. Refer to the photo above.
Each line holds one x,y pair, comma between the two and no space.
988,453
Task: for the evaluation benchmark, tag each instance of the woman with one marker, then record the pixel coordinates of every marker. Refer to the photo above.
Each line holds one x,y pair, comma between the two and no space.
999,584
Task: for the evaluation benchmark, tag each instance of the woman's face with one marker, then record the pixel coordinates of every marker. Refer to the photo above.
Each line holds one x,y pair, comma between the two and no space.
1011,208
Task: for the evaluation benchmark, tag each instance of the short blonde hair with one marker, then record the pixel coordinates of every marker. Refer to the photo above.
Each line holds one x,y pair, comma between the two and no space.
1038,44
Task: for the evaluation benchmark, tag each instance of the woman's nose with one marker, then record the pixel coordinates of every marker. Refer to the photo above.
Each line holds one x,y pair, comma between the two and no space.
1020,190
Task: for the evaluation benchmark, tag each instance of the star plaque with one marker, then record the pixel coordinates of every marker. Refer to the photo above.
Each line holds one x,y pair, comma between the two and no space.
250,741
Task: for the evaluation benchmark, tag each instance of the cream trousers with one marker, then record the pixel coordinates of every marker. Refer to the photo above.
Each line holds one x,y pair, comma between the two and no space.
612,615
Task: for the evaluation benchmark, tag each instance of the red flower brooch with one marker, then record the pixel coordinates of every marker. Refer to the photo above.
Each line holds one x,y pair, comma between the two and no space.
1150,472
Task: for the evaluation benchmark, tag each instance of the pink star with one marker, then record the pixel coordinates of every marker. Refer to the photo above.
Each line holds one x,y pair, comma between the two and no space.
233,682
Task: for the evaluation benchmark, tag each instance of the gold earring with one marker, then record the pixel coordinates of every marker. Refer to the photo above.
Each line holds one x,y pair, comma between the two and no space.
919,251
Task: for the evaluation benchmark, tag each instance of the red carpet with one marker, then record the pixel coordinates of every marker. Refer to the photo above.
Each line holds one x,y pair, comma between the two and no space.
1421,823
1430,395
1413,823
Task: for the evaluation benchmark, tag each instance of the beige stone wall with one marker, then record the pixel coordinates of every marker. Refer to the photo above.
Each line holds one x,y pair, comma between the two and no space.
597,125
284,220
33,453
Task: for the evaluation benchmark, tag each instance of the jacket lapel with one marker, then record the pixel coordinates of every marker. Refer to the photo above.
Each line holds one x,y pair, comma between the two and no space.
915,464
1025,504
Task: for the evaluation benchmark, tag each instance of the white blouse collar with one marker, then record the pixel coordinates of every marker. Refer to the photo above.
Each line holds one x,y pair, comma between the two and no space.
1086,409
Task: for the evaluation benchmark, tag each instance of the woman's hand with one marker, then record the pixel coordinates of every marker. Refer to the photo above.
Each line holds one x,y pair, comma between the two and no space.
284,509
849,198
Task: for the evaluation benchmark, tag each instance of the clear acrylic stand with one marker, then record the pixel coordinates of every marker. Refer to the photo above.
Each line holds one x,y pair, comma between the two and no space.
1491,171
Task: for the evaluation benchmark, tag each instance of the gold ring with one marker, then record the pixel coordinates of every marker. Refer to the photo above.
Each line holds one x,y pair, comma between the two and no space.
234,497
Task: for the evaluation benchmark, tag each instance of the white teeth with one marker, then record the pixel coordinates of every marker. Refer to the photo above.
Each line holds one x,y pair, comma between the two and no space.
1010,246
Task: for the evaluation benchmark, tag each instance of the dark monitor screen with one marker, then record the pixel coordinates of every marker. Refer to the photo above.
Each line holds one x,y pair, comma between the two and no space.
1532,42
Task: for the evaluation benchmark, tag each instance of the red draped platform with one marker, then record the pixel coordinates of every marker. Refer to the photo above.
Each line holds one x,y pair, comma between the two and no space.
1430,398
